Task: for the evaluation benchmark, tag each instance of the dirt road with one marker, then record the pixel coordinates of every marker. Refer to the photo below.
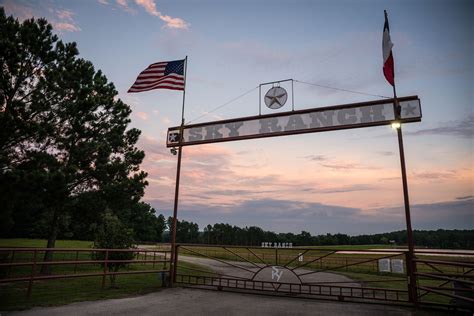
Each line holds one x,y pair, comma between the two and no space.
179,301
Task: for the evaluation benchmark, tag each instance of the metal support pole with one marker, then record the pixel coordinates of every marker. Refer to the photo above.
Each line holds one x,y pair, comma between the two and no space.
175,214
411,268
175,263
173,258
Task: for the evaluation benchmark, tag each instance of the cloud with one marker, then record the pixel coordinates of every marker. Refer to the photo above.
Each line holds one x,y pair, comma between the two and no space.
456,214
345,189
103,2
65,14
142,115
386,153
283,216
66,21
465,197
316,157
342,166
435,175
67,27
62,19
22,12
461,128
149,6
172,23
123,4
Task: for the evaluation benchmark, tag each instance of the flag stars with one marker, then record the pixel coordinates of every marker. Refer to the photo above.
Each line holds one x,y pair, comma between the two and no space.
176,67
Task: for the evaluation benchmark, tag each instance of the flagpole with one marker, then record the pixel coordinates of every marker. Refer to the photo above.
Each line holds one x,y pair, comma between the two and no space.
174,249
411,267
184,89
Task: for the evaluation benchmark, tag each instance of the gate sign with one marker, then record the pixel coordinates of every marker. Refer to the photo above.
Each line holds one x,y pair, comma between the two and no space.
355,115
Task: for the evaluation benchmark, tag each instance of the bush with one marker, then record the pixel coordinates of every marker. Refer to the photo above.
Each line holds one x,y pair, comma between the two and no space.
113,234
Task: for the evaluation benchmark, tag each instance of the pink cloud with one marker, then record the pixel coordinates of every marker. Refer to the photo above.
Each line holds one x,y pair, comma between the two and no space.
142,115
172,23
21,12
124,5
65,14
67,27
149,6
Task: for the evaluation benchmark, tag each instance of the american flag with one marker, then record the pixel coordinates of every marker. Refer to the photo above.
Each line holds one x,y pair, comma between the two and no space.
162,75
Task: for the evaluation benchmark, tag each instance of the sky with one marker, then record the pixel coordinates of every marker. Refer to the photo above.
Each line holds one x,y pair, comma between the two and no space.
345,181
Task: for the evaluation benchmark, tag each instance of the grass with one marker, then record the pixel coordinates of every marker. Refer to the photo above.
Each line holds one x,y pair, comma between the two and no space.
24,242
66,291
13,296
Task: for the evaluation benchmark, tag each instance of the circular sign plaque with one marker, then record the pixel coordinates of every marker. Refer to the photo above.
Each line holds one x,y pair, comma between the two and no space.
275,98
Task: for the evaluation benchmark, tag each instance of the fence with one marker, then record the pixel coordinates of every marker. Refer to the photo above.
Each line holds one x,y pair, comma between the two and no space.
26,264
354,275
443,278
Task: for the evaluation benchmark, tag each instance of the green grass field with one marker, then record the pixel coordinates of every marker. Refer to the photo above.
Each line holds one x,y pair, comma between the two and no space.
23,242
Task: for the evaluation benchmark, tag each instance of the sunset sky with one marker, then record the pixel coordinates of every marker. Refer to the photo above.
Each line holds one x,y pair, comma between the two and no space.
342,181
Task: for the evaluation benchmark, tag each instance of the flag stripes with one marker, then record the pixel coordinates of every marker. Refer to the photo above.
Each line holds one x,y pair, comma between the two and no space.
162,75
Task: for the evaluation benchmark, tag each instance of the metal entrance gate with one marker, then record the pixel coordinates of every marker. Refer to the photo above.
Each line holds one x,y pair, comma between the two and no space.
443,279
343,275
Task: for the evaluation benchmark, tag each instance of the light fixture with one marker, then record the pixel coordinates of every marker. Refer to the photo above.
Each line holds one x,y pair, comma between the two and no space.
396,125
174,151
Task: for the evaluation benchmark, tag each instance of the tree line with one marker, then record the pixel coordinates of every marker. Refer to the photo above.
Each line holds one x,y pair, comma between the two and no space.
225,234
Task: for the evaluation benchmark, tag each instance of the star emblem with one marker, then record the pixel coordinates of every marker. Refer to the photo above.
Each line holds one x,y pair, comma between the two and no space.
276,97
409,110
173,137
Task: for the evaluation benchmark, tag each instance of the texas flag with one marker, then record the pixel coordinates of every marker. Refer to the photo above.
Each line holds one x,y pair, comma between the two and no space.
388,68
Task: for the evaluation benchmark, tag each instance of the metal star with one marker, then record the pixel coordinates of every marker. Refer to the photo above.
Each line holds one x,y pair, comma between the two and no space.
275,99
173,137
409,109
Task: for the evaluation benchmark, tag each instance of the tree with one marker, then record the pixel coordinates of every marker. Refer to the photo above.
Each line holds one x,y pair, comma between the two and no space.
113,234
145,224
62,122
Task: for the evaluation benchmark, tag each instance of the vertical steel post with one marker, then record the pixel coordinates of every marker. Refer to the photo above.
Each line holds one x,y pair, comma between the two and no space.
176,192
411,268
175,263
175,214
